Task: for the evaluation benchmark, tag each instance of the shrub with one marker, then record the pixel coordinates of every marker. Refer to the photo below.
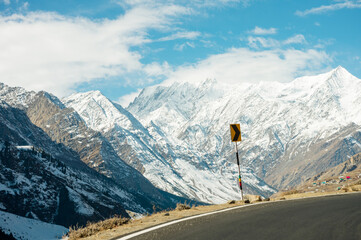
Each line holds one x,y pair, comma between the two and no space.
76,232
182,206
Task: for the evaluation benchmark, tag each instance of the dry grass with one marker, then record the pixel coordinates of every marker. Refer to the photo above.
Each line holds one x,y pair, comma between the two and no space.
182,206
355,187
291,192
152,220
93,228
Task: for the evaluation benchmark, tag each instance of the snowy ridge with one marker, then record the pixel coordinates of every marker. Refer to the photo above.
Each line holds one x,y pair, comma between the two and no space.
165,160
98,111
276,118
15,96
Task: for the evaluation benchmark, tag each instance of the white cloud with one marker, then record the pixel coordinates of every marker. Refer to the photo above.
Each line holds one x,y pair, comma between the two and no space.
257,42
155,69
244,65
263,31
125,100
332,7
181,35
47,51
6,2
297,39
181,47
24,7
192,4
324,43
261,42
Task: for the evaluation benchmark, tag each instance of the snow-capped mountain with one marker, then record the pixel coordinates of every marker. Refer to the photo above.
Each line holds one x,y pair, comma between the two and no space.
162,159
290,130
178,135
49,179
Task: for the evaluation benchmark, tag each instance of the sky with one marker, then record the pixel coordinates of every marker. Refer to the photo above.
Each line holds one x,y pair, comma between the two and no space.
122,46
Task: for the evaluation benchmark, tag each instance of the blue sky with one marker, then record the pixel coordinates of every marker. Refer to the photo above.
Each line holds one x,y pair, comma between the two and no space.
120,47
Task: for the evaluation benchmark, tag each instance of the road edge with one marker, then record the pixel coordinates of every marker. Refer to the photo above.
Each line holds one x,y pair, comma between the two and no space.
140,232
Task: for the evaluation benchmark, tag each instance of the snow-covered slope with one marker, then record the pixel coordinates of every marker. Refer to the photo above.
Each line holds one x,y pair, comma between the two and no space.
280,122
163,158
15,96
29,229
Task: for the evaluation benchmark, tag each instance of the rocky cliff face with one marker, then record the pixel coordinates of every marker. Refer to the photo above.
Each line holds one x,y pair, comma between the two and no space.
351,166
316,157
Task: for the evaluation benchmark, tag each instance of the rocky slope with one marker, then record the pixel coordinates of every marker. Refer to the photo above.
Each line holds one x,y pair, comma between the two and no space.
351,166
168,166
65,126
290,130
52,183
57,187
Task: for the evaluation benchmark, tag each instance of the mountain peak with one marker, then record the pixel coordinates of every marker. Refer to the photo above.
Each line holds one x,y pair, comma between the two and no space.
52,98
98,111
92,94
340,73
16,96
339,69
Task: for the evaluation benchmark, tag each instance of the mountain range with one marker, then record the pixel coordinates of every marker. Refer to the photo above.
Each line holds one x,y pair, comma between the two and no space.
172,143
290,131
44,151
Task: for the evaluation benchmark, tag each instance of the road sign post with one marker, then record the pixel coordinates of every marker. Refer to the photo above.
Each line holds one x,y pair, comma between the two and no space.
236,137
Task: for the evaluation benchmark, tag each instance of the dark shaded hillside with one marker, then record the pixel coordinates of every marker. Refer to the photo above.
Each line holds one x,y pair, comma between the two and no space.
58,187
4,236
35,185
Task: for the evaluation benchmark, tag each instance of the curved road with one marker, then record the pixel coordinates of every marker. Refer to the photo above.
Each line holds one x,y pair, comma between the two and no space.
331,217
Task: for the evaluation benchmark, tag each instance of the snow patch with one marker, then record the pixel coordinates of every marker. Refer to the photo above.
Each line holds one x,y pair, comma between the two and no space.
29,229
81,206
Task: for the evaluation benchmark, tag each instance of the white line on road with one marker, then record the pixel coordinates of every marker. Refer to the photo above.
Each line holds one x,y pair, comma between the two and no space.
182,220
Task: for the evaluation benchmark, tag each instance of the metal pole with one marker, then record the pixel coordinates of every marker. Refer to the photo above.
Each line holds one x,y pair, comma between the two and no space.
239,173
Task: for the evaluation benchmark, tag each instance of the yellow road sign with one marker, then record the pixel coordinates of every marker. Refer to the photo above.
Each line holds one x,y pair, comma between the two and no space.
236,132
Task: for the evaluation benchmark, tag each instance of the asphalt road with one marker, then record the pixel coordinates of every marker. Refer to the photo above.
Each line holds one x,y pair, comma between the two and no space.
332,217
